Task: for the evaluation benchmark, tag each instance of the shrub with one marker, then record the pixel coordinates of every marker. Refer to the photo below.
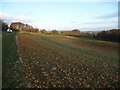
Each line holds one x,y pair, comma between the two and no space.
110,35
43,31
54,32
4,25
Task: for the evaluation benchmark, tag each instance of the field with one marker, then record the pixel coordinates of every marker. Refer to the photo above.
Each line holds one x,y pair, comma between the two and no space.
47,61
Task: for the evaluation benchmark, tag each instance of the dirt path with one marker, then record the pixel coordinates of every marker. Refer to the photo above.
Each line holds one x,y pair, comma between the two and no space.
51,62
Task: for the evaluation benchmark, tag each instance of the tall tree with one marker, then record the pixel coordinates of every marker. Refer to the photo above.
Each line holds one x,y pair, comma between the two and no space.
3,25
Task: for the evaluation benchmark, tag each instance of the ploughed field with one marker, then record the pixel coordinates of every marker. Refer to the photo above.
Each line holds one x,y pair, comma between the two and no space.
61,61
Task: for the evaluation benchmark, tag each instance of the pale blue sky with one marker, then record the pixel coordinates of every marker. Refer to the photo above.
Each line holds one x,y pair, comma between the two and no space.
63,15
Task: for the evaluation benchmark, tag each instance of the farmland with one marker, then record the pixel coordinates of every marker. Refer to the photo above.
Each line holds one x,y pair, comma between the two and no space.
62,61
59,45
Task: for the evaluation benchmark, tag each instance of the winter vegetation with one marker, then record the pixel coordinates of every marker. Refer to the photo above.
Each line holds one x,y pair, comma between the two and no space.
37,58
107,35
3,25
60,45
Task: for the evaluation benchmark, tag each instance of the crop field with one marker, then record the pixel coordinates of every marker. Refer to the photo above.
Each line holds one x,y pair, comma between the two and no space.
48,61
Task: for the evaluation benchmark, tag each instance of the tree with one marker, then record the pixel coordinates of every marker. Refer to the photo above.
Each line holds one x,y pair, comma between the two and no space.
17,26
110,35
43,31
54,32
4,25
35,30
62,31
74,32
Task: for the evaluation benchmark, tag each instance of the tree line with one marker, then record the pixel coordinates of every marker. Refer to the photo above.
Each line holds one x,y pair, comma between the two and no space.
109,35
18,26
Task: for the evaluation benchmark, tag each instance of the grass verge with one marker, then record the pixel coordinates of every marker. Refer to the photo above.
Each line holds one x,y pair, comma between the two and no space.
9,58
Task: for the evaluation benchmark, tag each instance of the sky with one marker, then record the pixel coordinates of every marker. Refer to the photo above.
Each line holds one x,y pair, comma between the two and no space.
85,16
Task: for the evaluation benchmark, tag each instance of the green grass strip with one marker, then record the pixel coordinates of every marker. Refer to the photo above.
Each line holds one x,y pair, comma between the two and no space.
85,51
9,57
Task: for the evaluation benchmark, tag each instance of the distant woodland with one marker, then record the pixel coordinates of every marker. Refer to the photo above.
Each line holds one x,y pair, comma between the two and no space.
107,35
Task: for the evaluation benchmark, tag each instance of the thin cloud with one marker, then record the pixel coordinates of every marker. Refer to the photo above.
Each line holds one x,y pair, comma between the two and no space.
5,16
107,16
23,18
8,18
99,22
60,0
73,21
99,28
